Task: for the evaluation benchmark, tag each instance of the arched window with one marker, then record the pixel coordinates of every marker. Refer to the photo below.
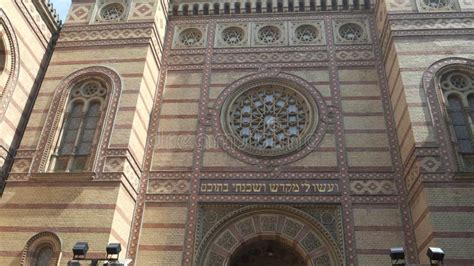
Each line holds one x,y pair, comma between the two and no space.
301,6
79,132
237,8
43,249
269,7
280,6
258,7
291,6
312,5
458,91
248,8
205,10
3,55
216,9
185,10
226,8
195,9
175,10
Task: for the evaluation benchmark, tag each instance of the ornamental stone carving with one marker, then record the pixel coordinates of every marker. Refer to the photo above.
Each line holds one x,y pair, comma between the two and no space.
190,36
437,5
270,34
270,118
111,11
351,31
307,33
232,35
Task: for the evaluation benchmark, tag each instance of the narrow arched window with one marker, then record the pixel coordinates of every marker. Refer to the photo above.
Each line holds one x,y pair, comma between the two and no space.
258,7
195,9
458,90
323,5
291,6
334,4
205,10
79,134
43,249
269,7
248,8
3,56
185,10
226,8
216,9
237,8
175,10
280,6
301,6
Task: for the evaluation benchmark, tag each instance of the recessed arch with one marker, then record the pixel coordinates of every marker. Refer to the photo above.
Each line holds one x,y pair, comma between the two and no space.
306,237
45,246
49,135
9,61
438,104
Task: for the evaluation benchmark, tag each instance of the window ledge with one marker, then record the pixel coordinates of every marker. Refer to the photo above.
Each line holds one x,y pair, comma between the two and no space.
63,176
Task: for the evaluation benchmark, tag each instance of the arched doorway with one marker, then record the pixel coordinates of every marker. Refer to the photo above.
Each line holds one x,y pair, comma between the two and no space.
254,235
267,252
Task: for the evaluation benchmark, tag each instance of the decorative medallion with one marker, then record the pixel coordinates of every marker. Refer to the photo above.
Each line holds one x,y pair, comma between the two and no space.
269,119
307,32
350,31
112,12
190,36
232,35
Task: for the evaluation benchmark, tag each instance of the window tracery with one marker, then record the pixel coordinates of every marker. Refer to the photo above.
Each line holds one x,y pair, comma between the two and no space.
3,55
190,37
351,32
112,12
269,34
269,119
233,35
458,90
79,130
306,33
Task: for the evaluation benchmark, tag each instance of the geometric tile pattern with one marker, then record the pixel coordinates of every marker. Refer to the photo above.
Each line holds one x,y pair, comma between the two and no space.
170,186
373,187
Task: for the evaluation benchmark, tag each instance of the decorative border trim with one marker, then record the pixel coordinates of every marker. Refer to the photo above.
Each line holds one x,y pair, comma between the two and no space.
59,101
37,240
313,139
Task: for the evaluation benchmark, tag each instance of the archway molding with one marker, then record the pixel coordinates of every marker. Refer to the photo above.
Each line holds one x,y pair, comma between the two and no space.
269,222
38,241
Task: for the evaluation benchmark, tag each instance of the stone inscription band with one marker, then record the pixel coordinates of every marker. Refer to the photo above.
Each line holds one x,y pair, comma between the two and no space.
306,187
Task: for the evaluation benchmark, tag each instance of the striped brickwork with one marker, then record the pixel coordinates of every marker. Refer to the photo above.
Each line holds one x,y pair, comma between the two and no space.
96,206
26,34
439,201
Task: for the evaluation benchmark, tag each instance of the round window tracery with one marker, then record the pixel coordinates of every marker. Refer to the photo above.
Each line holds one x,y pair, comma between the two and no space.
351,32
89,89
112,12
190,37
456,80
306,33
436,3
233,35
269,34
269,119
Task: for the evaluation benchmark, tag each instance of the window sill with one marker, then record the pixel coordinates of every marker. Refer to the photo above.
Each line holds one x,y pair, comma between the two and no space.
63,176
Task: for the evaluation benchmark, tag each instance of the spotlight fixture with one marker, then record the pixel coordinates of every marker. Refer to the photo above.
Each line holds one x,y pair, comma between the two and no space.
435,254
80,249
396,254
113,249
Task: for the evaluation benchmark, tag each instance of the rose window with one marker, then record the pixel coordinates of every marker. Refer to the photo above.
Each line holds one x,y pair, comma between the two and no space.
436,3
269,34
233,35
89,89
112,12
190,37
457,81
306,33
351,32
269,120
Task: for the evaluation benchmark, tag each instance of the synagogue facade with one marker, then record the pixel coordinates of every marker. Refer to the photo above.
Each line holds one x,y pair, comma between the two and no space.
243,132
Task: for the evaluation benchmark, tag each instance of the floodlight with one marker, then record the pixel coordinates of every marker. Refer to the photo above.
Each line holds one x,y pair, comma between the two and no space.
397,253
435,253
80,249
113,249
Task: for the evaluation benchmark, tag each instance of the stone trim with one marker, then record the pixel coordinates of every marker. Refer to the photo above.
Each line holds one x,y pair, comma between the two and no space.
38,240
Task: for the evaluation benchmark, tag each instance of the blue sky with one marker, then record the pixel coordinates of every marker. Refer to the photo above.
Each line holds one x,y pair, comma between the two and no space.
62,6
